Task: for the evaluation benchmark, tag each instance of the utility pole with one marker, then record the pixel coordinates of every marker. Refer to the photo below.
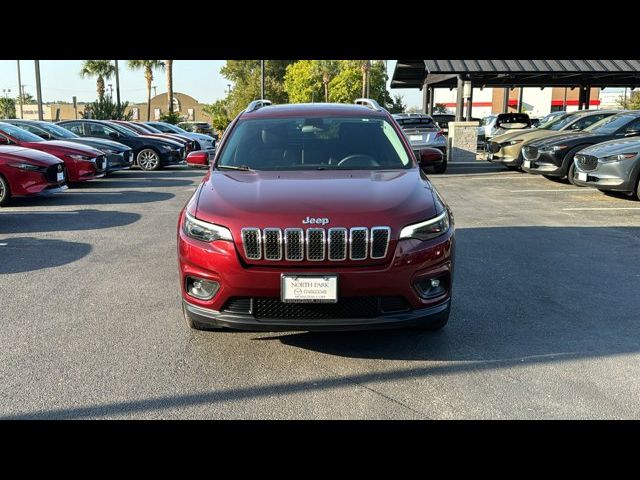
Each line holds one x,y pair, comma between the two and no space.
20,94
117,85
38,90
262,79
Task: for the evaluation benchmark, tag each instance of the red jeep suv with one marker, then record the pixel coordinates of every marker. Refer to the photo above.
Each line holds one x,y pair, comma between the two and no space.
316,217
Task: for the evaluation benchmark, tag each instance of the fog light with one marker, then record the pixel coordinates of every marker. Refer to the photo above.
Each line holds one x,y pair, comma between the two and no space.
431,287
202,289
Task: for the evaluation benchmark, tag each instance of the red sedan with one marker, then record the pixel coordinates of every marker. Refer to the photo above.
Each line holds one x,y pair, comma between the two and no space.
81,162
24,171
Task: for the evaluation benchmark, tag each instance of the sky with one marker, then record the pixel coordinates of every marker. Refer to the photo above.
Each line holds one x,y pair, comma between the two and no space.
200,79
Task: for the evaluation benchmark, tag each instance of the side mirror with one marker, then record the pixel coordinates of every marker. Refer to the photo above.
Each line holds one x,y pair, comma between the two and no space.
198,158
632,133
46,136
4,141
429,156
114,134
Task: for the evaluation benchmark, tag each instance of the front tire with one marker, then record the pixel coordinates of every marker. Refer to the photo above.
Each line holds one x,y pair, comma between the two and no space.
571,173
148,159
5,192
637,192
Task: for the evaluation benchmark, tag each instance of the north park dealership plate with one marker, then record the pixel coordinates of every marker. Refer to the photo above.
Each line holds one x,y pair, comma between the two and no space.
309,289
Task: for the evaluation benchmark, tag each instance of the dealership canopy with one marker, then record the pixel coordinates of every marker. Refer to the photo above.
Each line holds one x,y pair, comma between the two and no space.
516,73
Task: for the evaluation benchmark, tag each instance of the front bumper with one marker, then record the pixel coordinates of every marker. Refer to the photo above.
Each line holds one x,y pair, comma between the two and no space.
172,157
119,161
510,155
618,176
218,261
546,163
216,319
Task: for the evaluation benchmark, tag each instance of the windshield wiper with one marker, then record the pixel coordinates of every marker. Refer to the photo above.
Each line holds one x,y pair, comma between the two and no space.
244,168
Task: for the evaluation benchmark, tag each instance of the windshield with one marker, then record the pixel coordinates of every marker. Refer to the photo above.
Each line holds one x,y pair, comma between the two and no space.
408,122
124,130
19,133
148,128
609,125
558,122
299,143
57,130
168,128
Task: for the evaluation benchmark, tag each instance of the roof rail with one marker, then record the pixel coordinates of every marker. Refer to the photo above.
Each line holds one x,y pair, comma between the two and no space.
256,104
370,103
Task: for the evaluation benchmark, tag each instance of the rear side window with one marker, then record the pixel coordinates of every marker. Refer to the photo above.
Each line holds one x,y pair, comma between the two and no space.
416,122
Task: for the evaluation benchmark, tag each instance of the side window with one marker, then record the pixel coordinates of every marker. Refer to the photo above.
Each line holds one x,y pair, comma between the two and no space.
586,121
97,130
633,127
31,129
5,140
74,127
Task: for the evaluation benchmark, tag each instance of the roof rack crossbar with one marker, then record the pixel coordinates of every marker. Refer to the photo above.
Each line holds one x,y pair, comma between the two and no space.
256,104
370,103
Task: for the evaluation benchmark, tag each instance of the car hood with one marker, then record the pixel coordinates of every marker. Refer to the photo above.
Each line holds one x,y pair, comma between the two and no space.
201,136
100,143
613,147
161,140
527,135
21,154
563,137
65,147
348,198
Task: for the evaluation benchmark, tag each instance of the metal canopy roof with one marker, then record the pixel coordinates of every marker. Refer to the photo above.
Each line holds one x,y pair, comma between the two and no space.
508,73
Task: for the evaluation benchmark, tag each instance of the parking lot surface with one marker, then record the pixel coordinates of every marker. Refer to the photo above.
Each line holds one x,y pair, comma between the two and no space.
544,324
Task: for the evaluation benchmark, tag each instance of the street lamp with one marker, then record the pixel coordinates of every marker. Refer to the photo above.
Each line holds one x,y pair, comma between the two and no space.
154,90
228,88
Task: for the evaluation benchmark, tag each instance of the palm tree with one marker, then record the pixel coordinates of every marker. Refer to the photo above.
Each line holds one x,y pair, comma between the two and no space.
148,66
169,65
101,69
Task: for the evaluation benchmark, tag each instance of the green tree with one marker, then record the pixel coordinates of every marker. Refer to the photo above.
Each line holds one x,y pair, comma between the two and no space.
632,101
308,80
147,66
8,107
346,86
100,69
245,75
27,99
171,117
439,108
218,114
106,109
397,105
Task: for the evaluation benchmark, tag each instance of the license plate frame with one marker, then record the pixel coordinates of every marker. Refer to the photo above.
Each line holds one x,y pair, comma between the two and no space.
582,176
292,297
526,163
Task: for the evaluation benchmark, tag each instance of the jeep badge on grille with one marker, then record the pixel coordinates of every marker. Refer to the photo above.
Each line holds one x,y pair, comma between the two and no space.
316,221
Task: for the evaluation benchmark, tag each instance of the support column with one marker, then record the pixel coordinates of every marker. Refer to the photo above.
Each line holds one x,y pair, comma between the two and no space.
520,95
432,93
425,98
470,102
587,97
505,101
459,99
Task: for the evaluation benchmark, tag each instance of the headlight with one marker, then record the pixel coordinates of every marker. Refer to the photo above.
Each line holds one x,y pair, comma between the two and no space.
81,157
204,231
622,156
556,148
168,148
26,166
109,152
428,229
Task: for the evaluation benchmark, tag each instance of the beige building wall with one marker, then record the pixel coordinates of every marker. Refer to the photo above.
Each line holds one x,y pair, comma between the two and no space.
188,107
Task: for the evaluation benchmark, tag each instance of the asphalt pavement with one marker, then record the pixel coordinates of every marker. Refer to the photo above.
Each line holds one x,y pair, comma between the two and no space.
544,324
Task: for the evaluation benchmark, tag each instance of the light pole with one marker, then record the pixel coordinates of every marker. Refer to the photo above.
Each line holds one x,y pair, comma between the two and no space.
110,90
20,92
228,88
38,89
154,90
262,79
117,84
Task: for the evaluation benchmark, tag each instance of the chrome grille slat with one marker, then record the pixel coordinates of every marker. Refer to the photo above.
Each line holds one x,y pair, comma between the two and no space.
294,244
337,246
379,242
587,162
315,244
252,243
358,243
272,241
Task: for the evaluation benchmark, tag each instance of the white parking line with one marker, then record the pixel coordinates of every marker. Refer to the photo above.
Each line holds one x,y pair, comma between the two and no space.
602,208
508,177
590,190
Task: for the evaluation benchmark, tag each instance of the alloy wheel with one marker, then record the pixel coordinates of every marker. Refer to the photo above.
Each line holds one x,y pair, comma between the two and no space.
148,159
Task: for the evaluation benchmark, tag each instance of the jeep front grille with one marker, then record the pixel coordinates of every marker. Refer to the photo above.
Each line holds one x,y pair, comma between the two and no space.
316,244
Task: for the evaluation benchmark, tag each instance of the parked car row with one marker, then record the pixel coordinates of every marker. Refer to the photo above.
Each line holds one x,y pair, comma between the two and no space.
597,148
75,151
